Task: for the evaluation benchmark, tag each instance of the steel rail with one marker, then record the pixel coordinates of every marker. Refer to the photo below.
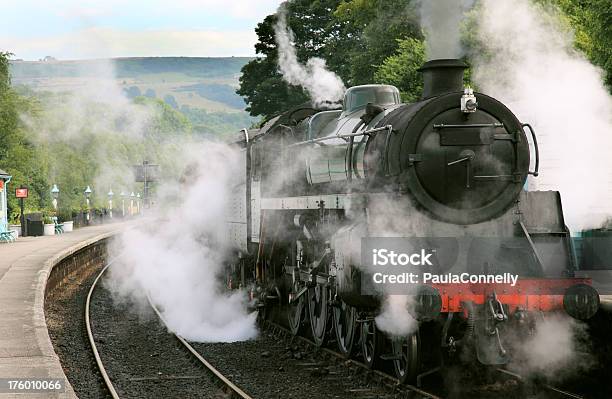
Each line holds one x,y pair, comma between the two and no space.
546,386
107,380
235,390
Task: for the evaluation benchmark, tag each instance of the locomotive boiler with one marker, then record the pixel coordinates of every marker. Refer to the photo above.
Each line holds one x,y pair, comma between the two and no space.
449,170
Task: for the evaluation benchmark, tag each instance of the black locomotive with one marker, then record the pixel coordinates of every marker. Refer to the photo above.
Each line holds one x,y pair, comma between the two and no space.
452,165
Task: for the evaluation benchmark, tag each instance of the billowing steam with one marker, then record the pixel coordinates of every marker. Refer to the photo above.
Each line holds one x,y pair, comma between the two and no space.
555,350
94,110
441,21
529,64
178,258
395,318
392,218
322,85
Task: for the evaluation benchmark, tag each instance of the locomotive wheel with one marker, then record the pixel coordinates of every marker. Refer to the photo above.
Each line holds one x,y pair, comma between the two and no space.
406,351
345,326
318,313
295,315
371,343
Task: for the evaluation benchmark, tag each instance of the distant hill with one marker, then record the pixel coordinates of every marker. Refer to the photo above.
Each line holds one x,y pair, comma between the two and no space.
202,88
197,67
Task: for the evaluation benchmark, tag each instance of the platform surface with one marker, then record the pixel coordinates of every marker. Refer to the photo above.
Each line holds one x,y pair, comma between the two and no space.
25,347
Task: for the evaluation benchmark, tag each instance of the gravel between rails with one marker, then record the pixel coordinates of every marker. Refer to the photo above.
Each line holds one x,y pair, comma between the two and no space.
270,367
142,359
64,310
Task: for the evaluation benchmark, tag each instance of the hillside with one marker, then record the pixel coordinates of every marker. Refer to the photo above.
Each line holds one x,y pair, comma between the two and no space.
202,88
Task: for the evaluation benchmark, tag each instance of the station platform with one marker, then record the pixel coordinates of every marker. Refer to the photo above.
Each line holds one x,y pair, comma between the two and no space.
25,347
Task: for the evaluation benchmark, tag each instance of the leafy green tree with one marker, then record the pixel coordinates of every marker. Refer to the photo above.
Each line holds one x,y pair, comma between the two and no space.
401,69
261,83
376,28
592,23
354,37
18,156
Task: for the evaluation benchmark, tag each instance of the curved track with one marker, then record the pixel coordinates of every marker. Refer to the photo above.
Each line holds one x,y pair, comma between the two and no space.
230,388
92,342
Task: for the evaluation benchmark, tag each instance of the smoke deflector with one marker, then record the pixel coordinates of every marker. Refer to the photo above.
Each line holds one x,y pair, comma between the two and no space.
442,76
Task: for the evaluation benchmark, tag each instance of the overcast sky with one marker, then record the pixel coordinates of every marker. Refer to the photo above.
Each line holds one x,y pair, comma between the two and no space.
75,29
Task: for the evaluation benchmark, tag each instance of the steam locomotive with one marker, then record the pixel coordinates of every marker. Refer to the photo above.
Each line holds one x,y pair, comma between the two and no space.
316,184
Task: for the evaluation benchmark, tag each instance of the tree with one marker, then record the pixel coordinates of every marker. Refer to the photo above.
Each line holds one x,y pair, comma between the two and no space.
377,26
592,23
401,69
261,84
353,36
18,156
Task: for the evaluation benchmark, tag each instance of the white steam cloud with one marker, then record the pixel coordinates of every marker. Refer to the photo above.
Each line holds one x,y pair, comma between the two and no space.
529,64
393,218
554,350
441,21
395,318
92,108
322,85
178,258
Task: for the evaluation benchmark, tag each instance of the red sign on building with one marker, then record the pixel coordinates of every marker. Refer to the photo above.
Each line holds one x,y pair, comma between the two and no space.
1,184
21,192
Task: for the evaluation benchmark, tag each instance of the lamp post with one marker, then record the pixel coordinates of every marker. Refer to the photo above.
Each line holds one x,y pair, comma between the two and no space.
138,204
55,196
110,203
132,196
87,193
123,195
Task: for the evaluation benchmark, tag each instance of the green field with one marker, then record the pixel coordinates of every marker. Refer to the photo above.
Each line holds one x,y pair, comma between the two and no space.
202,88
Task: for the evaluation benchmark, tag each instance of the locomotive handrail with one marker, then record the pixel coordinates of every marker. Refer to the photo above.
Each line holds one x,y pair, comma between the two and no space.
536,172
344,136
532,245
443,126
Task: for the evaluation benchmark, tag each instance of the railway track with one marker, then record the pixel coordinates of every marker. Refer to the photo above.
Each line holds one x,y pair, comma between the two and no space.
388,385
551,390
407,390
392,383
229,389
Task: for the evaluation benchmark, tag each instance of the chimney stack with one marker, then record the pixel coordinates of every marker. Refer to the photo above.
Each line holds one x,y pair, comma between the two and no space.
442,76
